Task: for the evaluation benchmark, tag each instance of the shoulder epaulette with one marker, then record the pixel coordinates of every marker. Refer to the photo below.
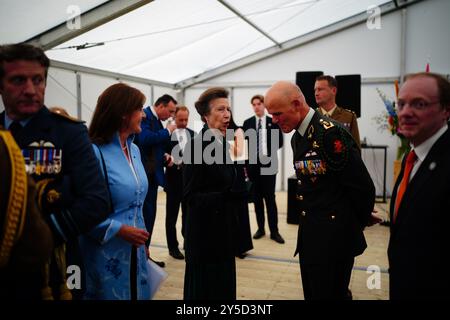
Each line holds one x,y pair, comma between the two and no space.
60,115
351,111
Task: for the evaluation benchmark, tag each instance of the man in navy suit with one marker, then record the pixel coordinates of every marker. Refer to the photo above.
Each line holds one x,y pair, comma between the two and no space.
152,142
263,173
174,178
420,214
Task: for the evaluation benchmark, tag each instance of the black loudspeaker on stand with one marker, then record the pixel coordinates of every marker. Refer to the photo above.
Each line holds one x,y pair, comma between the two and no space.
306,81
349,92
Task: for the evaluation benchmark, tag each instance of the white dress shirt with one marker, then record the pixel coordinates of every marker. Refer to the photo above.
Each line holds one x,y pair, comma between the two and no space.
263,133
182,137
305,123
424,148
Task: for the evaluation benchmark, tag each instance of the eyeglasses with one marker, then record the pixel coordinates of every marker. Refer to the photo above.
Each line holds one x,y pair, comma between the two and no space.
415,104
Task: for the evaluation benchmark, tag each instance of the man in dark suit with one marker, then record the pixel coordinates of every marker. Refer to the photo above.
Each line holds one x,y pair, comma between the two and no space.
59,156
420,214
174,180
334,191
263,169
152,143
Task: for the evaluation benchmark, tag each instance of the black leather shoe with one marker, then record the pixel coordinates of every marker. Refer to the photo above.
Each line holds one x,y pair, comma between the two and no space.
241,255
176,254
277,237
159,263
259,234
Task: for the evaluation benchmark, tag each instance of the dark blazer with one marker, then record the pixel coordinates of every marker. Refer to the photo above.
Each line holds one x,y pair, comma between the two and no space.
334,191
250,123
420,240
211,215
174,174
152,143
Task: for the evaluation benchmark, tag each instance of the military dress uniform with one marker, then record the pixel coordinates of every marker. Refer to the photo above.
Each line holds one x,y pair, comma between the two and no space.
335,197
348,119
71,192
25,239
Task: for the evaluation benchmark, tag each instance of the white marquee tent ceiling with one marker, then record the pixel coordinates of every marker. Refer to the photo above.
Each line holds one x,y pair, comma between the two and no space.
173,40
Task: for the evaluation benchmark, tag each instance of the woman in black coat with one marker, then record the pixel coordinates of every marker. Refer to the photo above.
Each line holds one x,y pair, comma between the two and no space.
209,176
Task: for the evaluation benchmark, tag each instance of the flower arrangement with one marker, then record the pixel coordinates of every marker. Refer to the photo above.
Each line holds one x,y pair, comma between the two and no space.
389,121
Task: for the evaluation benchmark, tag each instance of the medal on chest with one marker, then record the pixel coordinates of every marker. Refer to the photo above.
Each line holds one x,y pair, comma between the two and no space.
42,158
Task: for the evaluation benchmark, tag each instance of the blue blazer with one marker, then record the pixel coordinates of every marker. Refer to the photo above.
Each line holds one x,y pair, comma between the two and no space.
106,256
152,143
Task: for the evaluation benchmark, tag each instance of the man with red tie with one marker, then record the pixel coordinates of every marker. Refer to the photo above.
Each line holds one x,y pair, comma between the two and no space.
420,204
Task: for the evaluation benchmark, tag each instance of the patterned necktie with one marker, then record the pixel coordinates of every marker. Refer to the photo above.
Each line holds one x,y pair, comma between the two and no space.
15,128
410,159
259,131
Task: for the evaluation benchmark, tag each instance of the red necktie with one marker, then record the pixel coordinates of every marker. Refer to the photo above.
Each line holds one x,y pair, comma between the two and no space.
410,159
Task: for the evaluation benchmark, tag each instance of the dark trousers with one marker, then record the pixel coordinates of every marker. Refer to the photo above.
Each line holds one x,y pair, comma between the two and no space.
149,210
210,281
264,191
173,201
327,281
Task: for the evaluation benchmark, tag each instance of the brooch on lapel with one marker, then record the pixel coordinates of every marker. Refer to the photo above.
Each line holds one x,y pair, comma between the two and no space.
432,166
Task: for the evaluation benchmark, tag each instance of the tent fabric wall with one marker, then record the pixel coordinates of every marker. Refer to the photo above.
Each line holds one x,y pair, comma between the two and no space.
357,50
371,53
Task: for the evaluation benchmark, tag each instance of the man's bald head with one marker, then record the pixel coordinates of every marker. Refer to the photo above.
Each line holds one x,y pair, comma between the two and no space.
286,103
284,90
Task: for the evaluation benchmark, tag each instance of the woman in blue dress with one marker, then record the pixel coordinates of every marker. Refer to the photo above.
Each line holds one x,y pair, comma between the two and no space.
114,252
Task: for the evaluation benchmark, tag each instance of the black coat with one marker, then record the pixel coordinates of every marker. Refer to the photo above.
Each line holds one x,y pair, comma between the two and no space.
334,190
419,245
211,213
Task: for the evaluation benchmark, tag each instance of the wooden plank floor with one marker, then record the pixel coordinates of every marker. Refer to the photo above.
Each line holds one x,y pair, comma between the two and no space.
270,271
